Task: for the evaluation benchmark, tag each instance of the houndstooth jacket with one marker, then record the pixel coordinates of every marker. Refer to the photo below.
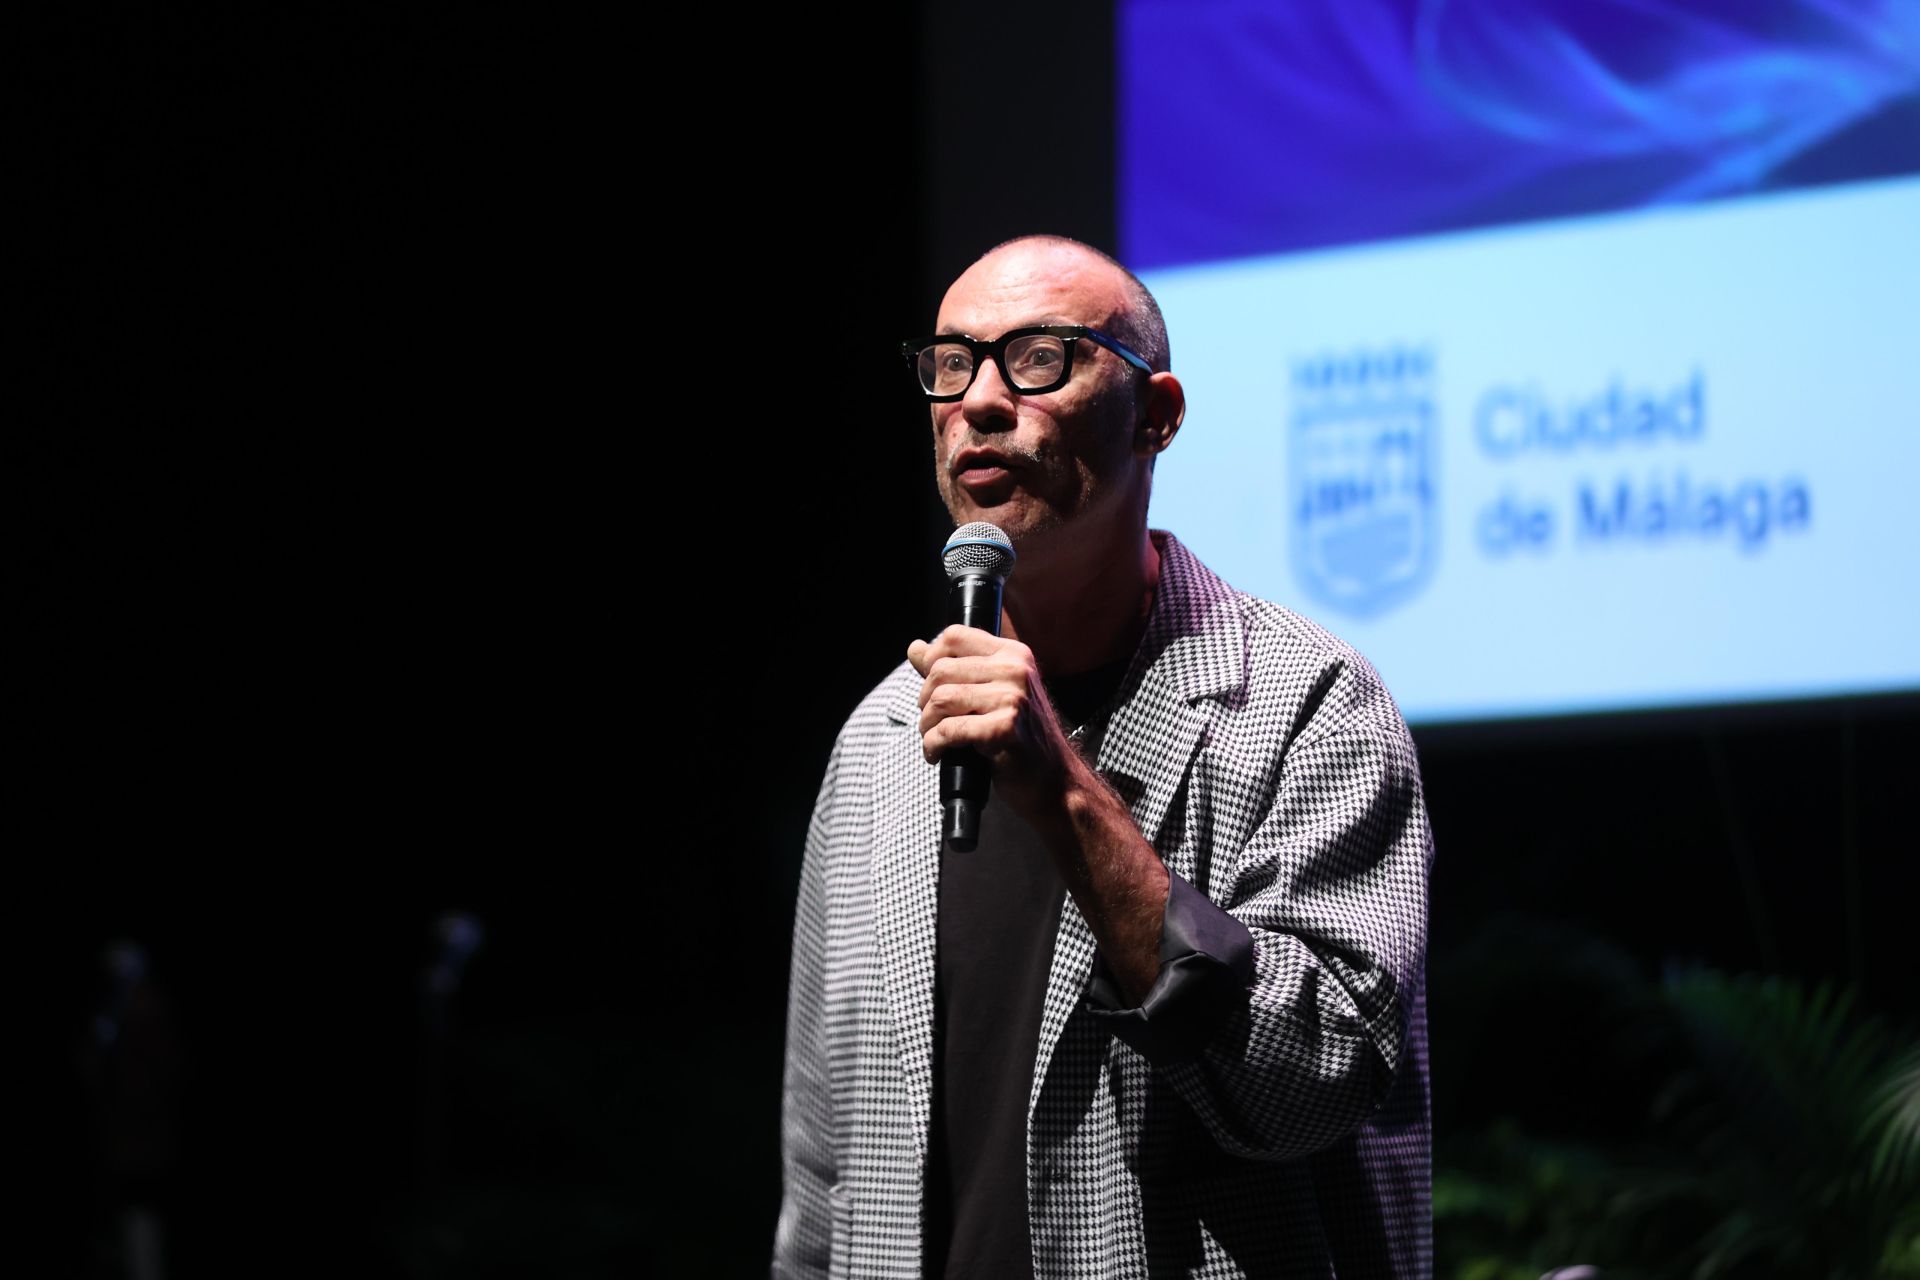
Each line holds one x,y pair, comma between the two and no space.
1267,764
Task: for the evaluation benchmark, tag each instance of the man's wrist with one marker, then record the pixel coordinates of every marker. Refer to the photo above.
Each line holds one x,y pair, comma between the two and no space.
1082,806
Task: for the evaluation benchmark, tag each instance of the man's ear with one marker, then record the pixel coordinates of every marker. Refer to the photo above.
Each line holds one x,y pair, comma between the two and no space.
1163,405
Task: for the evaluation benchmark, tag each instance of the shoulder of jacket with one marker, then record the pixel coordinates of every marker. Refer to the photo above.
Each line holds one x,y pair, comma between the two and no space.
1276,625
1286,650
1287,662
871,715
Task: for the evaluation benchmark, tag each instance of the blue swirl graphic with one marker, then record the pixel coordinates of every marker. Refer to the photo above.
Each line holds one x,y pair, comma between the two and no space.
1255,128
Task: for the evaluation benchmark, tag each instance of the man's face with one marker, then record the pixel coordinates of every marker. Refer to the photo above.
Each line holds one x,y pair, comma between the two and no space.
1033,464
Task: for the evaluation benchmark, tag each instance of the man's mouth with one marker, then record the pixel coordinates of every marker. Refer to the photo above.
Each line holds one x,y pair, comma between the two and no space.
986,475
981,463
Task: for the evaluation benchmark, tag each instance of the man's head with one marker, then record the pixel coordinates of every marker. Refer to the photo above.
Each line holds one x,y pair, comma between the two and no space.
1080,455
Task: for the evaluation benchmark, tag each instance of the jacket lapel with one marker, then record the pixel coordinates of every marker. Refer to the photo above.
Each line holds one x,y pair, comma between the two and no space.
1193,651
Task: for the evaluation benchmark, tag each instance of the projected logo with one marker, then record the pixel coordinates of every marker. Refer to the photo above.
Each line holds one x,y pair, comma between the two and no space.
1361,456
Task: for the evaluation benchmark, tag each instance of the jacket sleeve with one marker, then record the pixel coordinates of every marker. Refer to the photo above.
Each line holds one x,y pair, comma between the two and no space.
1283,1017
803,1238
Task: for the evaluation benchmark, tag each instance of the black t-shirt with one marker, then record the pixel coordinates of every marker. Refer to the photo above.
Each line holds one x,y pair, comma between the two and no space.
999,909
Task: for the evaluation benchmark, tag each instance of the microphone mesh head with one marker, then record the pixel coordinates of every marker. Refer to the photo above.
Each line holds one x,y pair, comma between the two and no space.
978,548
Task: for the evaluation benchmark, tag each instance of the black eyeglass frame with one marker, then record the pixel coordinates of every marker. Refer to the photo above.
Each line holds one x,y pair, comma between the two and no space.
984,351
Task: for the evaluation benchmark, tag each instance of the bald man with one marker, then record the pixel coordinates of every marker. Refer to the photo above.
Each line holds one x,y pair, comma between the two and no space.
1167,1017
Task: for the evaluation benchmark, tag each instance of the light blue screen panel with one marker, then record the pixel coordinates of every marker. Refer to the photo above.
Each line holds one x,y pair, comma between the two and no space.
1562,358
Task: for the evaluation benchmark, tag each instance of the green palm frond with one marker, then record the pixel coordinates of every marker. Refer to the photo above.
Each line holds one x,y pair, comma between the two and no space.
1781,1138
1802,1122
1895,1117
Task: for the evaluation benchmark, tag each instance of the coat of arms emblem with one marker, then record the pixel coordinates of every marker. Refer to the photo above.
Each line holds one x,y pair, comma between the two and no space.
1361,453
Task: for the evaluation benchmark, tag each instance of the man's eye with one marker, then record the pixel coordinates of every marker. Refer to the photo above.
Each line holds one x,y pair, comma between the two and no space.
1040,359
956,361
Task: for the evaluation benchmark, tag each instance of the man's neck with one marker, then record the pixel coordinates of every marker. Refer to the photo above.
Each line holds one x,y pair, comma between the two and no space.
1077,615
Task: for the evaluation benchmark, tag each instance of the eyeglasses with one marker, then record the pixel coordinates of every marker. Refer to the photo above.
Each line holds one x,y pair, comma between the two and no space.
1033,359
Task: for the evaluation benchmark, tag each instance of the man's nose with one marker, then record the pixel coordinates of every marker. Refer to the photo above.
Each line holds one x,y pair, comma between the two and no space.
990,399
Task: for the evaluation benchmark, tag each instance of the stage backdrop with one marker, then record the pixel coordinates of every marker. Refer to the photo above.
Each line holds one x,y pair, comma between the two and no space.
1561,356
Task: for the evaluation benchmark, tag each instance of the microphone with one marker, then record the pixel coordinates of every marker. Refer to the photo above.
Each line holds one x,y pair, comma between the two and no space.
978,558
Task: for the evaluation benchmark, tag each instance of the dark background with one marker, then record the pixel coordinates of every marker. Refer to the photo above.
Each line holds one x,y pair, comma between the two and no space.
467,467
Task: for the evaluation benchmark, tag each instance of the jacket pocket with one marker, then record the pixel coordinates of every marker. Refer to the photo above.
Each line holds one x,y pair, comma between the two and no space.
840,1259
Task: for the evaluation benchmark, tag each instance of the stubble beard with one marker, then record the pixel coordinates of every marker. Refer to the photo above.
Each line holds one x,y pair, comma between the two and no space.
1031,512
1046,478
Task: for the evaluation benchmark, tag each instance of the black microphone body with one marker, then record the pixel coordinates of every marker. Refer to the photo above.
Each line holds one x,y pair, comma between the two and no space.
973,600
974,586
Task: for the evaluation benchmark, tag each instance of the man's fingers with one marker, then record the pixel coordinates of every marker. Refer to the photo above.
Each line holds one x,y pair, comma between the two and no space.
987,733
958,639
937,703
992,668
975,690
955,641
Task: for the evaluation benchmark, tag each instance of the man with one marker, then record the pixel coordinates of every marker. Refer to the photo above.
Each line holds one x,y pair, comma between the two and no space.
1167,1018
